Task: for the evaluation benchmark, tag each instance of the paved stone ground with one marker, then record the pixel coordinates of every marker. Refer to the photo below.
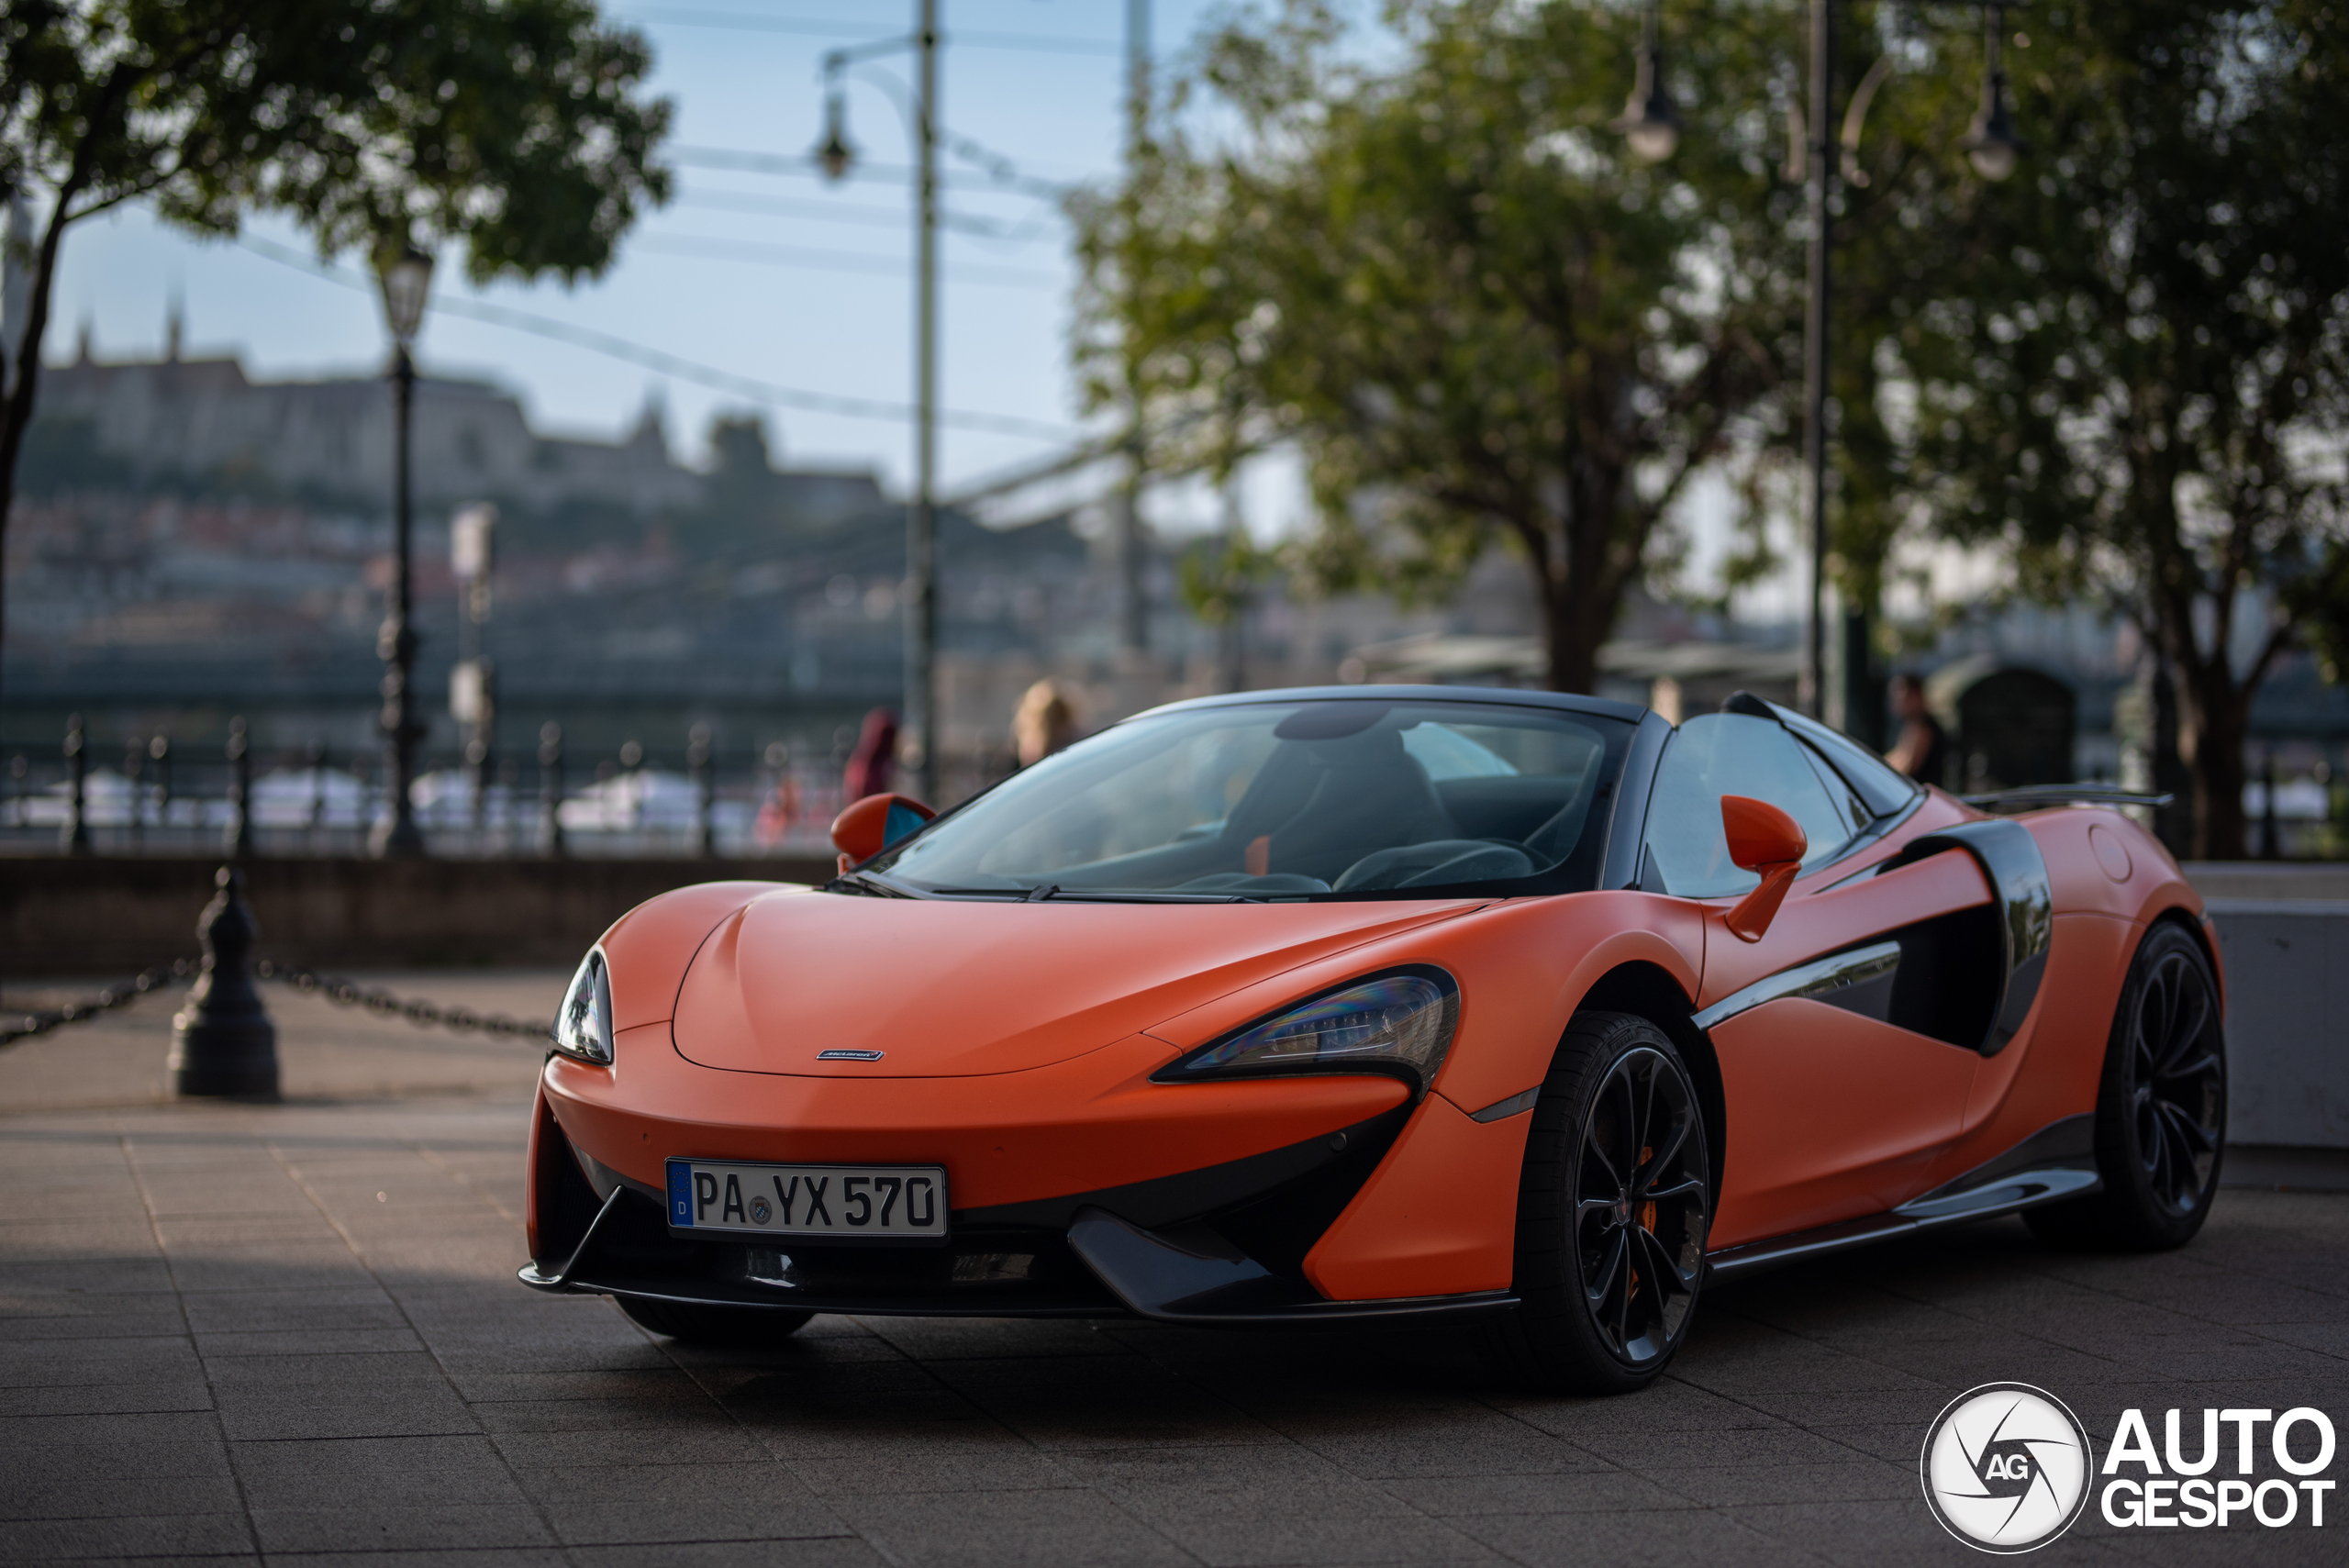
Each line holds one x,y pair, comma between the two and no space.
232,1333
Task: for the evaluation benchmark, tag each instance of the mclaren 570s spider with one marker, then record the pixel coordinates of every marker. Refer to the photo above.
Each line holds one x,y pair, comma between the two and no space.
1381,1004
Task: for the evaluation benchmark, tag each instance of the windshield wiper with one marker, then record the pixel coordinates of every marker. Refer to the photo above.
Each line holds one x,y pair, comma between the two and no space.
874,883
1085,896
874,886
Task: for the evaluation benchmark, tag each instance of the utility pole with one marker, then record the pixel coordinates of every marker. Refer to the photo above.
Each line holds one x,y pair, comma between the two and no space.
1133,578
1814,346
921,522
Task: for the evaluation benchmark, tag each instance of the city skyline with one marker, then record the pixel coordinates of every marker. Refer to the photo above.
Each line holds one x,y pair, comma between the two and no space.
774,278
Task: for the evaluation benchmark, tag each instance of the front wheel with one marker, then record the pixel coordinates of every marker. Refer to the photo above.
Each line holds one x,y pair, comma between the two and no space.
1612,1212
700,1323
2161,1111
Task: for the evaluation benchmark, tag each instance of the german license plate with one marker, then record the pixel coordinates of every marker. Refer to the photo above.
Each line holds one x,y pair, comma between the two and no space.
839,1201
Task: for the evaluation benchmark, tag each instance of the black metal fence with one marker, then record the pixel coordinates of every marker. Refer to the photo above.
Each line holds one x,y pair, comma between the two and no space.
153,795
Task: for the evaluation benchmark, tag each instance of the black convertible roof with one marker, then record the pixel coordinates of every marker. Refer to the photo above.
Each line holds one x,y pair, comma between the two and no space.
1512,696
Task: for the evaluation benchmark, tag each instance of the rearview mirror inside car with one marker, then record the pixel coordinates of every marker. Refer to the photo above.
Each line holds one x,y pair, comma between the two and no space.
871,825
1766,841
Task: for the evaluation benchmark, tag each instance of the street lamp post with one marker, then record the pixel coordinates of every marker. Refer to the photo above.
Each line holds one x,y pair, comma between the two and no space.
1814,346
836,155
1652,128
921,521
406,275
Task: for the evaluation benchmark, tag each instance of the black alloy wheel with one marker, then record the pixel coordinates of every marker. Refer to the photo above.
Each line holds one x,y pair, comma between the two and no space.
1613,1210
2161,1108
2176,1082
1640,1207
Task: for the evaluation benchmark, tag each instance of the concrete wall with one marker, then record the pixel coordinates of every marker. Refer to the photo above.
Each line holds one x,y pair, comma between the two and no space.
2288,1020
2286,948
107,918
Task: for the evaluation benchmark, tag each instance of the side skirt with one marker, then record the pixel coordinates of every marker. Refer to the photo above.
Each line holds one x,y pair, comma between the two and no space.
2057,1162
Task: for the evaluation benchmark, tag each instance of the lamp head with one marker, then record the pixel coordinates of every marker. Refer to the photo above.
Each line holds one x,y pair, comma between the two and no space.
1991,142
1649,123
405,273
834,153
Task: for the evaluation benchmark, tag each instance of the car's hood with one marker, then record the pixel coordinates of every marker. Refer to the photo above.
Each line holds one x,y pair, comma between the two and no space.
948,988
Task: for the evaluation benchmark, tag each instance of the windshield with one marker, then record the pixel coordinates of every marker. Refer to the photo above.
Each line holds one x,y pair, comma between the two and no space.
1333,799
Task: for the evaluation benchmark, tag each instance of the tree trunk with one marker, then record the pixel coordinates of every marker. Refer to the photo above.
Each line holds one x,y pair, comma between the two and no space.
2218,717
1570,634
16,409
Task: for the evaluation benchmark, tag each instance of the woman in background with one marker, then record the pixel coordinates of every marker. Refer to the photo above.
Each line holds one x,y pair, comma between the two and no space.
1045,723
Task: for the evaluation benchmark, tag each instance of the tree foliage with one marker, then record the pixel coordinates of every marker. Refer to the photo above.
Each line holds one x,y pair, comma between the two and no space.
2131,375
512,129
1447,284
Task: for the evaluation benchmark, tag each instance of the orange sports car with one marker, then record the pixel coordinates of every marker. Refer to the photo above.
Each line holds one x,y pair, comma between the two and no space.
1383,1003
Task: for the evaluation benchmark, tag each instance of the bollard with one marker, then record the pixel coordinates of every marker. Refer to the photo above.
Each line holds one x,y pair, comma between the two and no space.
240,835
222,1042
134,766
551,784
159,752
2271,837
317,793
705,791
74,837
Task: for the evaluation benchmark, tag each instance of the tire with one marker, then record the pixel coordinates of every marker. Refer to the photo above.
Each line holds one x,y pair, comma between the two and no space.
697,1323
1612,1213
2161,1108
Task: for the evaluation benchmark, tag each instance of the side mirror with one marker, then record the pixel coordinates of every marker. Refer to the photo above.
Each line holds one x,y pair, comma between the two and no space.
871,825
1765,840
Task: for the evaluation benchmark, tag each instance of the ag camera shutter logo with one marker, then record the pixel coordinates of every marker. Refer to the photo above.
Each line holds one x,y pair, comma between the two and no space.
2006,1467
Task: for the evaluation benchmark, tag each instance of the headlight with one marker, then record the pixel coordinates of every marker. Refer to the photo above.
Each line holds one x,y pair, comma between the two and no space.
1399,1024
582,1030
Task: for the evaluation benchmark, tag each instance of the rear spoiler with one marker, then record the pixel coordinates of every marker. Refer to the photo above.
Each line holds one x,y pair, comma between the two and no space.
2030,797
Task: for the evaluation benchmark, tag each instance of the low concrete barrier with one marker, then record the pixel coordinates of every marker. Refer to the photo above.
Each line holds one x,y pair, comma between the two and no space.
106,917
2287,1040
2283,931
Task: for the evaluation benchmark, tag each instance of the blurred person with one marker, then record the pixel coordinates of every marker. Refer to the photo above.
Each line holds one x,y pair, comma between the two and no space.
873,762
1045,723
782,806
1922,750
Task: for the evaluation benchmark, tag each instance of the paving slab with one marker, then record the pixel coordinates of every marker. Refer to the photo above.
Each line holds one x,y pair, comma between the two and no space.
289,1334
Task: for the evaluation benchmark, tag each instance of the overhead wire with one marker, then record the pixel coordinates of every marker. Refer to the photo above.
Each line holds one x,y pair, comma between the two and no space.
750,388
895,174
810,27
971,223
718,249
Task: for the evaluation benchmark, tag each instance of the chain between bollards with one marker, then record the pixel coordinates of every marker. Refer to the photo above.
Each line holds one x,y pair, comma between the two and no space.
342,991
40,1020
345,993
223,1042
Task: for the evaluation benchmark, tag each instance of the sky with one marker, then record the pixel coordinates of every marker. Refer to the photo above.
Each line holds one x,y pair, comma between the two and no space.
780,279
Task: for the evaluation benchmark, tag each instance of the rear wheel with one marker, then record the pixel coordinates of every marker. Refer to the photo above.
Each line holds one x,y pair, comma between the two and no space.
1612,1213
2161,1111
697,1323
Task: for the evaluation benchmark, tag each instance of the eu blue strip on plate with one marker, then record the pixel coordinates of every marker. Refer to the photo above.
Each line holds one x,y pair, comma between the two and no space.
681,1193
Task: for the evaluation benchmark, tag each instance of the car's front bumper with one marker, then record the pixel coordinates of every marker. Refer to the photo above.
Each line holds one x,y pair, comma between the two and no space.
1081,1189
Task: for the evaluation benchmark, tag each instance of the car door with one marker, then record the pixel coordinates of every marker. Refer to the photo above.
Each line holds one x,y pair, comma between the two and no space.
1838,1096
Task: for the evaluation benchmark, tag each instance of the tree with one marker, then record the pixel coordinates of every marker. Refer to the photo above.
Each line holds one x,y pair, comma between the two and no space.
1446,284
2135,377
512,127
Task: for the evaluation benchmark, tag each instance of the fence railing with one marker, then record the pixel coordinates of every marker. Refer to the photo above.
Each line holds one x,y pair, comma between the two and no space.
157,796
